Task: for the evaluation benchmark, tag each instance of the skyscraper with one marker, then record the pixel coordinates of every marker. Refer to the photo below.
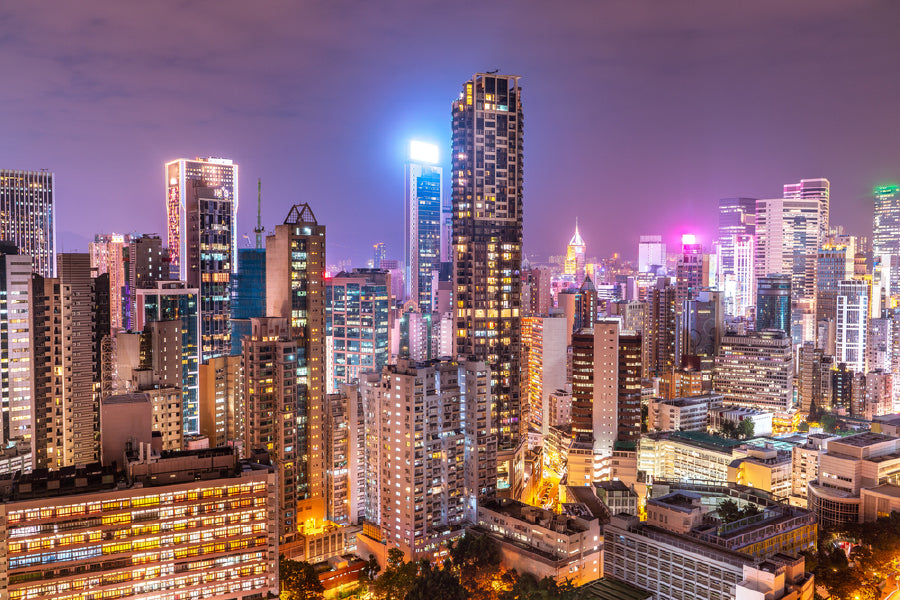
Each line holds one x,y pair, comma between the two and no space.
29,216
295,290
851,324
219,174
422,242
813,189
691,272
357,305
773,303
487,234
662,322
651,254
737,216
248,294
108,256
886,232
575,257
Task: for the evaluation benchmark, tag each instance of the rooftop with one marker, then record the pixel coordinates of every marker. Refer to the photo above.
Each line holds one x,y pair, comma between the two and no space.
861,440
533,515
606,588
886,489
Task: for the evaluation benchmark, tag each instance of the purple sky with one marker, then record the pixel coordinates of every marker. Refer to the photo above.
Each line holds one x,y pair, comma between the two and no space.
639,114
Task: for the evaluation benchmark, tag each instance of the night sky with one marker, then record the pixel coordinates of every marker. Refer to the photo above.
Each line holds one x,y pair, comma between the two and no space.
639,114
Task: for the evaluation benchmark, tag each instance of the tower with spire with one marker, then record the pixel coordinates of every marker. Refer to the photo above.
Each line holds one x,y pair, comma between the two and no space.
575,256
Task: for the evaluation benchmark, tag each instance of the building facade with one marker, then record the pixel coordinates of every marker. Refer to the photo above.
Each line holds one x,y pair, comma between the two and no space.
422,220
28,206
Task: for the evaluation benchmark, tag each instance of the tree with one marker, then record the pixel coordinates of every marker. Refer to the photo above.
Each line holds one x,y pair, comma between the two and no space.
436,584
829,423
369,572
475,559
746,428
728,511
728,429
645,418
299,580
398,577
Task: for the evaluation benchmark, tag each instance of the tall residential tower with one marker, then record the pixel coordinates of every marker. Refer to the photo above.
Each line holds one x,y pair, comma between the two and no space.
422,217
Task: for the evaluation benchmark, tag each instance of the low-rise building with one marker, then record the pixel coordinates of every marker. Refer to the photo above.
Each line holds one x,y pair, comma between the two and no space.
681,414
686,456
805,466
865,461
765,468
761,419
543,543
618,497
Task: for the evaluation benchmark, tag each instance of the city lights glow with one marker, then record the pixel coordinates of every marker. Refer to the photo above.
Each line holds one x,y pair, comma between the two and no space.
423,152
689,239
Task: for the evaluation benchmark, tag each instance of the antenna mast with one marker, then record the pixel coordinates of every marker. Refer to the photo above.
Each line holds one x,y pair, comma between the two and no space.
259,228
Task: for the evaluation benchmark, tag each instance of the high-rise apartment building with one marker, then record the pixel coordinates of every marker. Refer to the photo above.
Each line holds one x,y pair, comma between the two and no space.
851,324
345,445
756,370
886,233
773,303
273,412
29,216
835,264
737,217
175,301
487,161
651,254
536,298
661,329
295,290
422,219
222,400
16,389
545,358
66,415
357,322
219,175
431,451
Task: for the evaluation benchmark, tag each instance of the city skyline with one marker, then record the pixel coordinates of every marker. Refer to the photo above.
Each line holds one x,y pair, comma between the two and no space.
671,104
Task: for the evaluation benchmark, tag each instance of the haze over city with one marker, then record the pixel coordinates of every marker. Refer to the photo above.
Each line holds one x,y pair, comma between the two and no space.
659,107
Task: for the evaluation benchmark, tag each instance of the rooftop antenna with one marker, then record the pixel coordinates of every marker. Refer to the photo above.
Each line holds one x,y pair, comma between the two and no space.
259,228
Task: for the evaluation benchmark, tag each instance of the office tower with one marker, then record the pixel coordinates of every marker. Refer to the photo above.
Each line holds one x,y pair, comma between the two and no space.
691,271
814,369
574,264
662,327
737,217
756,370
248,295
345,483
146,262
131,532
585,305
536,298
273,412
773,303
16,392
813,189
357,322
422,219
208,261
219,175
295,290
879,345
221,387
176,301
739,285
851,324
886,233
487,233
545,362
29,216
379,254
702,326
788,235
66,415
835,264
428,429
108,256
651,255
